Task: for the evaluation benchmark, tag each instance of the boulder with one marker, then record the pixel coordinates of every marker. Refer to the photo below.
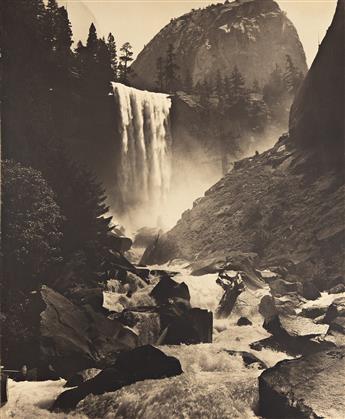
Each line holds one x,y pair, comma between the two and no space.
243,321
81,376
142,363
309,291
337,289
73,339
308,387
168,289
314,312
192,327
248,358
208,266
279,287
336,309
292,333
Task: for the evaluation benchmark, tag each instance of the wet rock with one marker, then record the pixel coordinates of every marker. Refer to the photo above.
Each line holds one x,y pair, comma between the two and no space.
310,292
291,333
81,376
336,309
248,358
72,339
337,289
314,312
338,324
145,362
279,287
308,387
243,321
208,266
192,327
167,289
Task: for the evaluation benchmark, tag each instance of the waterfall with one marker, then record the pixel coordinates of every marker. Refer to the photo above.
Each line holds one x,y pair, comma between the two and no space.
144,170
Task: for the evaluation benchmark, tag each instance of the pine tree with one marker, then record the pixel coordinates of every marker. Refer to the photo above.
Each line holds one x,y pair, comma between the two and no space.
160,80
237,83
91,43
171,69
125,59
292,76
113,55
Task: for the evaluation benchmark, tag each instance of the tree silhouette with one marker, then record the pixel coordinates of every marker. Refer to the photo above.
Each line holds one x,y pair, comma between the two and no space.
125,58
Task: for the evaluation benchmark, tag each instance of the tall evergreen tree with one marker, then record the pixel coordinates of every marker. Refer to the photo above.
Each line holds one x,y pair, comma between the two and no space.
160,80
126,58
292,76
113,55
171,70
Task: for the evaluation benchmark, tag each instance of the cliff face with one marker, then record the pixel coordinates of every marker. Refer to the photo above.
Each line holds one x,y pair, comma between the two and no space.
277,204
253,34
317,114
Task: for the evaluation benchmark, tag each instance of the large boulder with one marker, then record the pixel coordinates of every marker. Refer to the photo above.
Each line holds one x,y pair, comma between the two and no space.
168,289
292,333
308,387
145,362
81,376
191,327
73,339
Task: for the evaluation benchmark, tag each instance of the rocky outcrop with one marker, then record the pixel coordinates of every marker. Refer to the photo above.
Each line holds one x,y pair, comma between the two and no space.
253,34
72,339
145,362
309,387
280,203
317,114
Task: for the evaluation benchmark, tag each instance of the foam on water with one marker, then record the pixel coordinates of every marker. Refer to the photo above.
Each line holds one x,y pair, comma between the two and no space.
214,384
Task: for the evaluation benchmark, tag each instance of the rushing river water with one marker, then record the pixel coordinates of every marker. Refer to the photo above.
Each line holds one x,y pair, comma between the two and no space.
214,384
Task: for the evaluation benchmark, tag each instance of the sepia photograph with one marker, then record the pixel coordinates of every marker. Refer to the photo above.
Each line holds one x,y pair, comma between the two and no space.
172,209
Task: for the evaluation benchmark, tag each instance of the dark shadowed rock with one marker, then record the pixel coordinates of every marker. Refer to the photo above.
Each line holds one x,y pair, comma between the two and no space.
145,362
337,289
167,289
317,114
192,327
82,376
248,358
73,339
309,291
280,287
243,321
308,387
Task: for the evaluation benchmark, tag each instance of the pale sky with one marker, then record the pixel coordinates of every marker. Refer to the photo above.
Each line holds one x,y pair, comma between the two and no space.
138,21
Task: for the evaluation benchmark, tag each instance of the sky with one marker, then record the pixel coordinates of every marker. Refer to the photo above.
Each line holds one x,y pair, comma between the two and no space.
137,21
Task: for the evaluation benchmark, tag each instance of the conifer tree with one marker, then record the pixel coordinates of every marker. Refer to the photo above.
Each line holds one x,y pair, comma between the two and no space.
171,69
160,78
113,55
126,58
292,76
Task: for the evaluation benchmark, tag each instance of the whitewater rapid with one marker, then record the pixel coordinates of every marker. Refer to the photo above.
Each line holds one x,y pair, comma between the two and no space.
144,172
213,385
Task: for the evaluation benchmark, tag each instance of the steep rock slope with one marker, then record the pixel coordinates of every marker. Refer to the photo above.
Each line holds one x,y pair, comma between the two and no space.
253,34
317,114
279,204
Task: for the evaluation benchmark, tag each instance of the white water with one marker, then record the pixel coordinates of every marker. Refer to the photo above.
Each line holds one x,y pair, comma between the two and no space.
213,385
145,168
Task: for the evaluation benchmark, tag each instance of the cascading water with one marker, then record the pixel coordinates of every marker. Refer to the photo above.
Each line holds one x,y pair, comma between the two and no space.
144,171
